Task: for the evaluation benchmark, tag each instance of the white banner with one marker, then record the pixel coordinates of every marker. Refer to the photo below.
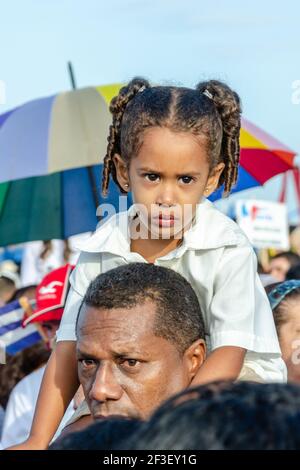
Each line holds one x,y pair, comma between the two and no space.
265,223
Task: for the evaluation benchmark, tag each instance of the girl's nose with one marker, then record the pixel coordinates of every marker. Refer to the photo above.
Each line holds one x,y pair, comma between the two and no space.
166,196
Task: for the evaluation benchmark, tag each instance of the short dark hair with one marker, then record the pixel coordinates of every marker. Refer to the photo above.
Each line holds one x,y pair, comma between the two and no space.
178,316
102,435
225,415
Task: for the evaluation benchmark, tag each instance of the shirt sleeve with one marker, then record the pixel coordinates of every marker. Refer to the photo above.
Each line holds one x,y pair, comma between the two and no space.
80,280
240,313
264,368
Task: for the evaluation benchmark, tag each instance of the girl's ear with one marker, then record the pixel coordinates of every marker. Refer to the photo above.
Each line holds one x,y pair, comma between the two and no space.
122,172
194,357
213,180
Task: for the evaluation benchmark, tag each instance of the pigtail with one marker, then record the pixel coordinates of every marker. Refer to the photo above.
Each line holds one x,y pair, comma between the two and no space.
227,103
117,109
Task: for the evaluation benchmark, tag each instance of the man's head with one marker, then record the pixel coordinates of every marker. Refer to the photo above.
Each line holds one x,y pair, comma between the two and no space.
7,289
140,339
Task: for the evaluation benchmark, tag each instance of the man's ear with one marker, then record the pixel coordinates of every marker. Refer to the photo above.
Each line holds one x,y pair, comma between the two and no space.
194,357
213,179
122,172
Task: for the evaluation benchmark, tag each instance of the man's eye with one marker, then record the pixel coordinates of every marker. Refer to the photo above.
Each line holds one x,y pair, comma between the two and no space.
87,363
151,177
130,363
186,179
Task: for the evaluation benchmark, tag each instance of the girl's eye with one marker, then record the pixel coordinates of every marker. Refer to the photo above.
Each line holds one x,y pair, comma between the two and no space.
151,176
186,179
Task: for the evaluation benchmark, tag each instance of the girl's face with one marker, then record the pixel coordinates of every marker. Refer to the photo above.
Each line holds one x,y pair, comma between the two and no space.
289,338
168,178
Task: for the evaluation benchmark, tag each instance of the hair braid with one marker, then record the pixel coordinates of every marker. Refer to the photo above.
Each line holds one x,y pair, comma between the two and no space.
117,109
228,105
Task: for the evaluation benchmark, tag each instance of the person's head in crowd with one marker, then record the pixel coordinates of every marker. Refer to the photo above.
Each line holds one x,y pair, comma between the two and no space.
102,435
51,296
284,298
140,339
224,416
293,273
281,263
9,281
7,289
18,366
27,291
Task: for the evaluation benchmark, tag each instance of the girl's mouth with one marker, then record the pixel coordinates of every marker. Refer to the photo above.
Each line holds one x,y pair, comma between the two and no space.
165,220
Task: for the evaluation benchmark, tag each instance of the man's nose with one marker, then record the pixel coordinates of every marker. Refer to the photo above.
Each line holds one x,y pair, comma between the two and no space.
105,386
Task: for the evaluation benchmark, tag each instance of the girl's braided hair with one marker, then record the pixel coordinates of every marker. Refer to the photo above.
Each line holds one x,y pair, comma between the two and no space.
211,110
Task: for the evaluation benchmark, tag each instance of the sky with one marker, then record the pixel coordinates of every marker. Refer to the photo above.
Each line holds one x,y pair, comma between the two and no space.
253,45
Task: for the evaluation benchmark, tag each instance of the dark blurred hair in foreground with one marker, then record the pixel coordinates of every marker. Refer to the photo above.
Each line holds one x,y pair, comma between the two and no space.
223,415
103,435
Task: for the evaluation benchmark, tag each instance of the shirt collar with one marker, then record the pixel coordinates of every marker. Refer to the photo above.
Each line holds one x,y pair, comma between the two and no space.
211,229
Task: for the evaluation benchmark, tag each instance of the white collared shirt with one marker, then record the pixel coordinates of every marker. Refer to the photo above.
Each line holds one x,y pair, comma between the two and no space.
219,262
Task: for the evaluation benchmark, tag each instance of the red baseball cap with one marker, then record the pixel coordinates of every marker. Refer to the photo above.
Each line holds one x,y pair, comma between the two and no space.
51,296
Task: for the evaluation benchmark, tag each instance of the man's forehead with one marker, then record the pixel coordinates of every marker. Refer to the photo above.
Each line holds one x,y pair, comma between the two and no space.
110,348
119,332
141,315
121,327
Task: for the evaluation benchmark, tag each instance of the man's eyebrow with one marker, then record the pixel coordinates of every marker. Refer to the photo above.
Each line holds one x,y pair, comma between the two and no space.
124,352
85,355
115,354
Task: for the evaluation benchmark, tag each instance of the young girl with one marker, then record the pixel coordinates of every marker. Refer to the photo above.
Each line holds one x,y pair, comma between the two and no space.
172,147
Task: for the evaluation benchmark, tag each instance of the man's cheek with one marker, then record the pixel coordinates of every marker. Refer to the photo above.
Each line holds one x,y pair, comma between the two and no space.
146,397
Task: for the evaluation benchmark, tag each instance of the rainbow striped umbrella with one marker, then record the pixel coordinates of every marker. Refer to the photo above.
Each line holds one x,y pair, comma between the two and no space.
53,206
69,130
262,157
57,133
51,154
50,151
